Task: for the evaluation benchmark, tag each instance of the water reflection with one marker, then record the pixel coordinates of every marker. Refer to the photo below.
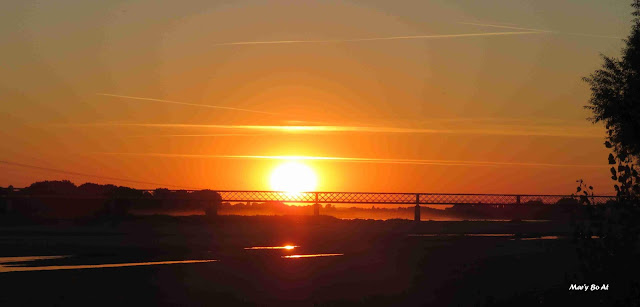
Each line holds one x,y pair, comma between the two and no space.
433,235
19,268
461,235
551,238
542,238
489,235
512,236
311,256
28,258
287,247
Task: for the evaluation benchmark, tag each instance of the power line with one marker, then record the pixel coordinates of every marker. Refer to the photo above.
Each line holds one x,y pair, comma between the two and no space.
90,175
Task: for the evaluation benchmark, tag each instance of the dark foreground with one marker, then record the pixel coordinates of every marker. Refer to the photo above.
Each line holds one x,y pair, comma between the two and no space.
382,263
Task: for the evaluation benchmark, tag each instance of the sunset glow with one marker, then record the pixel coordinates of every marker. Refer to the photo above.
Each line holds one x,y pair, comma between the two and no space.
377,98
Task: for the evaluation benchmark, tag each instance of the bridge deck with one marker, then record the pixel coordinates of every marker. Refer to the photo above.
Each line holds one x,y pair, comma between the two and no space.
380,198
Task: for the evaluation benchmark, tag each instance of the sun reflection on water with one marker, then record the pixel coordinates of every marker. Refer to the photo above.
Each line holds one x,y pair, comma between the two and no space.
286,247
311,256
12,264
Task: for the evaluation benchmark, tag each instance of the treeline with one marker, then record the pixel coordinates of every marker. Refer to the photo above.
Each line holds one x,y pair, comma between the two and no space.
63,199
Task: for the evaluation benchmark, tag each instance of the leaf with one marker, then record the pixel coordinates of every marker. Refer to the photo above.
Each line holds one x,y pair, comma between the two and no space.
623,156
608,144
590,187
612,160
613,171
578,189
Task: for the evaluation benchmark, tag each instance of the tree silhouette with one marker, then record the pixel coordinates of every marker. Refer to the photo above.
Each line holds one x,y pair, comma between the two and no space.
615,101
210,200
615,94
55,187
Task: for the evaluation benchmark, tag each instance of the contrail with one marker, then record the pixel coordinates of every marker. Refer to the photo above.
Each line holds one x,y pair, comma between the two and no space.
361,160
376,38
539,30
186,103
89,175
504,130
505,27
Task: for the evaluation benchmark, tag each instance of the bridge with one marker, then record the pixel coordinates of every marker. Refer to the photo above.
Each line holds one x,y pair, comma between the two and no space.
414,199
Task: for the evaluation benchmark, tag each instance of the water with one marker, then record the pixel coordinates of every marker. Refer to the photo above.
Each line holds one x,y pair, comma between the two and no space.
286,247
28,258
294,267
512,236
4,267
311,256
18,264
543,238
462,235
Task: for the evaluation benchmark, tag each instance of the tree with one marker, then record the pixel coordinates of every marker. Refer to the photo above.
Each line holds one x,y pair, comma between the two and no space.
615,95
615,101
55,187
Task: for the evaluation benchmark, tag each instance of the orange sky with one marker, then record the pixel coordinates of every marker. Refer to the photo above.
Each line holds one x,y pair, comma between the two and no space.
430,96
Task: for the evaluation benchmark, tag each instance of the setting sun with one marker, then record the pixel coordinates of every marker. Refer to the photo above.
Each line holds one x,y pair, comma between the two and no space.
293,177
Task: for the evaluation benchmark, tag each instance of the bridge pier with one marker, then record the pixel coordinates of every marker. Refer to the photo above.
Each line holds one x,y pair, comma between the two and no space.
416,213
210,208
316,206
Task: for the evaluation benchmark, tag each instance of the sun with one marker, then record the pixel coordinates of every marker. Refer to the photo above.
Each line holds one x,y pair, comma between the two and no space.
293,177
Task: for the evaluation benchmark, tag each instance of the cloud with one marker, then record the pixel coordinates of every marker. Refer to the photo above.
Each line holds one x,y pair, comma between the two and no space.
376,38
362,160
506,130
196,135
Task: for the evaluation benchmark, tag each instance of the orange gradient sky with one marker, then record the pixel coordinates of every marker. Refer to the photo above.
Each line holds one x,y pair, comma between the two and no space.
431,96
